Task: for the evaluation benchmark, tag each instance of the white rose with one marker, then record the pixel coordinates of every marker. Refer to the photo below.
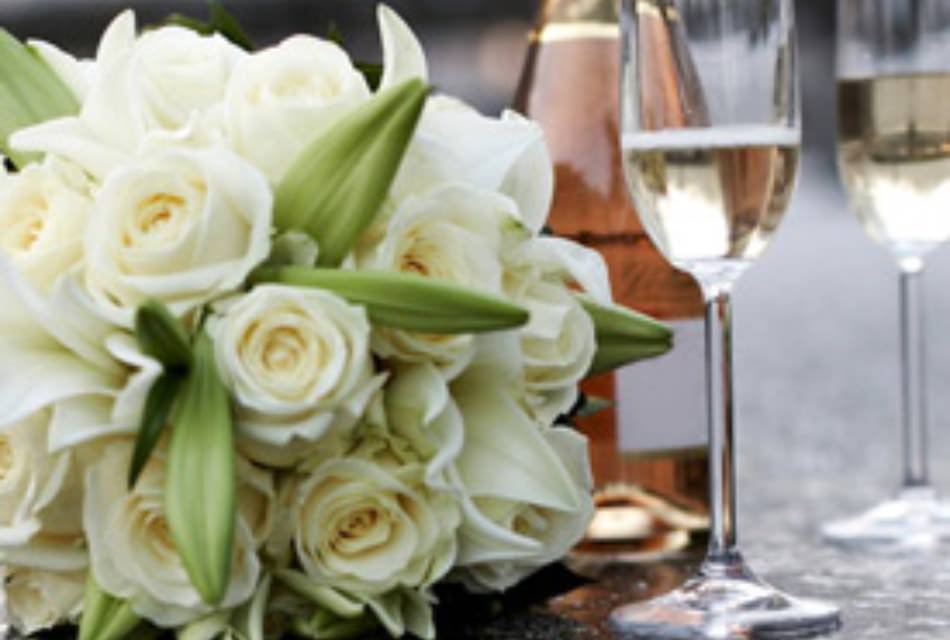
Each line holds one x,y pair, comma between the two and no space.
132,552
158,83
420,409
40,499
559,342
38,600
558,346
526,491
177,73
360,527
454,233
298,363
42,219
282,98
180,226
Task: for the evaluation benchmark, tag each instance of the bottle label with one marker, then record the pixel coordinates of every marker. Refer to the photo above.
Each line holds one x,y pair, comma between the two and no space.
572,31
661,404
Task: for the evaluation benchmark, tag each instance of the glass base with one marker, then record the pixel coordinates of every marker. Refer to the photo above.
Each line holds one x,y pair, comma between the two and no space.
726,601
915,521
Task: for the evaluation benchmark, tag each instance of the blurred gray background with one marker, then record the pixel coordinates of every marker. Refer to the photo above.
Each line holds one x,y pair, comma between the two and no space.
817,341
475,46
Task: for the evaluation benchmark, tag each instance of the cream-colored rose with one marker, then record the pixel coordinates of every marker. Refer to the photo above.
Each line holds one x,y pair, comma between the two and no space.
177,73
132,552
38,600
40,499
180,226
558,344
454,233
558,347
360,526
525,490
43,214
155,84
420,410
298,363
282,98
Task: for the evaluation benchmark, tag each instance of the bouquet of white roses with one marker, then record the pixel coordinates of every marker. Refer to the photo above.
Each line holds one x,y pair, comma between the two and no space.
283,343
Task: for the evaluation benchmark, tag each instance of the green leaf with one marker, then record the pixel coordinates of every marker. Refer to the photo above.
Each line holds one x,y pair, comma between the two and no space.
372,71
220,20
592,405
162,336
624,336
228,26
30,93
407,300
158,406
335,35
335,188
200,486
105,617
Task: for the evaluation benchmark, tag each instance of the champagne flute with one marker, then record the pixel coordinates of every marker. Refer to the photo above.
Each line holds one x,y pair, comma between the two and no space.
894,154
711,138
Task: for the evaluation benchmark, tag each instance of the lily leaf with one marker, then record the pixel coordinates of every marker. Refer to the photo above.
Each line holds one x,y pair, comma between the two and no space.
335,188
407,301
624,336
200,503
30,93
162,336
158,406
220,20
105,617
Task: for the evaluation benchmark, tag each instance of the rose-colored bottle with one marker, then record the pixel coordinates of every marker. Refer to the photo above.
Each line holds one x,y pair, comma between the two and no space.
649,449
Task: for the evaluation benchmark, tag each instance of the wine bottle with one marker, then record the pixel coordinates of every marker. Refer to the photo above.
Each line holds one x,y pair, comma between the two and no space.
649,449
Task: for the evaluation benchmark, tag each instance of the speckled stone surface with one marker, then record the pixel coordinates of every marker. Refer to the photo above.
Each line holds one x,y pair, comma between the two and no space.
818,381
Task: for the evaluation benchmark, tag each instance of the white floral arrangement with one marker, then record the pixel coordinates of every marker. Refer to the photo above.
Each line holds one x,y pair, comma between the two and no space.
284,343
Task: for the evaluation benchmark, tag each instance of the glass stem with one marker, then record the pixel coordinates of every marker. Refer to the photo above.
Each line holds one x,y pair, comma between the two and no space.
720,398
913,383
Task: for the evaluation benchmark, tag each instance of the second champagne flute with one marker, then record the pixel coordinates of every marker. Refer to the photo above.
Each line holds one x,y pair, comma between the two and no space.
894,154
711,137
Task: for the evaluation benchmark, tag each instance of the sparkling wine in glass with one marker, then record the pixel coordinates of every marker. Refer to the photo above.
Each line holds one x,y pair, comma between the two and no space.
711,138
894,154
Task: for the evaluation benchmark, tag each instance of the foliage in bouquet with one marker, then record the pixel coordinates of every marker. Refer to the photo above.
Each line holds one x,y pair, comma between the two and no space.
282,342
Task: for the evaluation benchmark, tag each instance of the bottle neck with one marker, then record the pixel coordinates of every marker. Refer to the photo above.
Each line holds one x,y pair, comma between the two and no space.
559,19
566,11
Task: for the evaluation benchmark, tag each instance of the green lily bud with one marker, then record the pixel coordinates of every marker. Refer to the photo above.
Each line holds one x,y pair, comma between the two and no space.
248,620
321,595
200,486
335,188
624,336
406,300
324,626
30,93
162,336
214,626
103,616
